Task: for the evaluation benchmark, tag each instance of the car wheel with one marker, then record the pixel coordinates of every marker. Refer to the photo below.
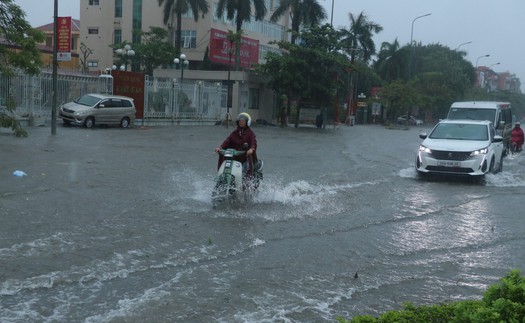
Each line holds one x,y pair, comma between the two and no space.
491,167
124,123
89,123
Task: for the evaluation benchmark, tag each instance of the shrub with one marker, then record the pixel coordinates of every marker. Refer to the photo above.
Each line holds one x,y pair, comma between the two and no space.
503,302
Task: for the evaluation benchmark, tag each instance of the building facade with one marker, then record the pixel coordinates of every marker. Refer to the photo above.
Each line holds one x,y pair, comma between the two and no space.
492,81
112,22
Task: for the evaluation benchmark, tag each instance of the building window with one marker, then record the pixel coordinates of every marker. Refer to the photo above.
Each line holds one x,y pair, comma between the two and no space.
93,31
118,8
94,2
92,63
188,14
188,39
254,98
136,34
73,43
117,36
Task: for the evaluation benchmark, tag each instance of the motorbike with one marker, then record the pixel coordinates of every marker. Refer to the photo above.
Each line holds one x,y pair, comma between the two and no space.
514,147
231,183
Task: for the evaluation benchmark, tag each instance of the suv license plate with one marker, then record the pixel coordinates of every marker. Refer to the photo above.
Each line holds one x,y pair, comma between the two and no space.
448,163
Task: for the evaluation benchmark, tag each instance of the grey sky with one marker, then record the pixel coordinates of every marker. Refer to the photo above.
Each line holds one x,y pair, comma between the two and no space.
493,27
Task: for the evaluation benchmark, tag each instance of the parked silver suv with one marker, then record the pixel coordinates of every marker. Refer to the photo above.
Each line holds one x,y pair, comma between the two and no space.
91,109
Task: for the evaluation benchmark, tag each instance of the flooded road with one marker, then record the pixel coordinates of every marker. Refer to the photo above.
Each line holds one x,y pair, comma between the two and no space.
117,225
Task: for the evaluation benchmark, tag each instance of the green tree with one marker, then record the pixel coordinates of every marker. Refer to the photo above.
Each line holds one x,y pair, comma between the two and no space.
391,61
302,12
240,11
19,50
155,50
397,96
306,72
357,41
180,7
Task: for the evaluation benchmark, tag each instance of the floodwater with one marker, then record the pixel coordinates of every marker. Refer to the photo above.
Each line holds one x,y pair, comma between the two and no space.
117,225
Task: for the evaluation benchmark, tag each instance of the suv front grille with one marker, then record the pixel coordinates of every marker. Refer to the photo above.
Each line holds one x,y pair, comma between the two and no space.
450,155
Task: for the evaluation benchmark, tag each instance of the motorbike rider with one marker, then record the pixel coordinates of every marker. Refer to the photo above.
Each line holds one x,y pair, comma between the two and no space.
237,139
516,136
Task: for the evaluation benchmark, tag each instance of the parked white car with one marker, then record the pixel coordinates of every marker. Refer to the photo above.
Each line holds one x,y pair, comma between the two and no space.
460,147
411,120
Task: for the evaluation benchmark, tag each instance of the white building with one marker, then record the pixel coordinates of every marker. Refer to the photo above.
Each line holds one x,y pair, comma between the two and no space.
108,22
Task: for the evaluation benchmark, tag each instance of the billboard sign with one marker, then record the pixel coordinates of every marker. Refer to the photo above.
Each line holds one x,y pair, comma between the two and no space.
220,49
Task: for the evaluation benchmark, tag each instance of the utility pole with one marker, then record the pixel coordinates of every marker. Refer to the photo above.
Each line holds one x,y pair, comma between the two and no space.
55,77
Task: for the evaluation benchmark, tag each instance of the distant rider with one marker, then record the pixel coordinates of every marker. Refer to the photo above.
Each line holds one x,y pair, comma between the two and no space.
516,136
236,140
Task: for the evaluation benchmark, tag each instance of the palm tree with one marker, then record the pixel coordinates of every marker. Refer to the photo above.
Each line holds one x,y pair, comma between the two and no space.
302,12
390,61
179,7
241,11
357,41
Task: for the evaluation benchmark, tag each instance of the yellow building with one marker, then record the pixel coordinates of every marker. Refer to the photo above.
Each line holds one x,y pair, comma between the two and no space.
46,48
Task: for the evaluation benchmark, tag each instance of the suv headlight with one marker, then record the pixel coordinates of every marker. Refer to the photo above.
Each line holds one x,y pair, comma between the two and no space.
482,151
425,149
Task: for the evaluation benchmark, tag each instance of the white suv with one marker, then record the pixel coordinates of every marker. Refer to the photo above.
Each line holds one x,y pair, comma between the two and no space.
460,147
91,109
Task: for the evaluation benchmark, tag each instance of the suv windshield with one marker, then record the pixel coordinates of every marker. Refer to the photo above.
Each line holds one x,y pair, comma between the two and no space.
459,131
472,114
87,100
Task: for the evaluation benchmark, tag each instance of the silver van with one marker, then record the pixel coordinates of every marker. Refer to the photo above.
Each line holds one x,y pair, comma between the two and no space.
91,109
499,113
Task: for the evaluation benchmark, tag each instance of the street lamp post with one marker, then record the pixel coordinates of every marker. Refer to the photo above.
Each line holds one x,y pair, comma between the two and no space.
490,76
411,43
493,65
125,52
183,63
477,60
466,43
332,15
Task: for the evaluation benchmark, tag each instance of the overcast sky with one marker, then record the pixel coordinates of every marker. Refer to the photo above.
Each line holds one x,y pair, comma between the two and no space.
494,27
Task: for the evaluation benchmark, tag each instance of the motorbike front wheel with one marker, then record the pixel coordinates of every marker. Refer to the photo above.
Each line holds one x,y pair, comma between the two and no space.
222,191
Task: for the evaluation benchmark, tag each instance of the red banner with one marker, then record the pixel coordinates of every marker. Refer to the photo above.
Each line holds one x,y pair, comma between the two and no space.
220,50
130,84
64,34
63,38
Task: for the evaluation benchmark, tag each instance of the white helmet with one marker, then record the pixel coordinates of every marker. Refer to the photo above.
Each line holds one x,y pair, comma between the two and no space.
246,117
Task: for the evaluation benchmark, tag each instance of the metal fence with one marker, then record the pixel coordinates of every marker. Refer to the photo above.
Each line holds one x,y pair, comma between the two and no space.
32,95
164,99
188,100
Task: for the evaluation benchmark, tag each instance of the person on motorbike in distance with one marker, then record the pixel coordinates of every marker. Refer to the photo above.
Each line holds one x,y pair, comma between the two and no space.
237,139
516,136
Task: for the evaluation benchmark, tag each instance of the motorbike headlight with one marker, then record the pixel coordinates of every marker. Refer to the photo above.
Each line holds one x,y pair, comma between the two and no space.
482,151
425,149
